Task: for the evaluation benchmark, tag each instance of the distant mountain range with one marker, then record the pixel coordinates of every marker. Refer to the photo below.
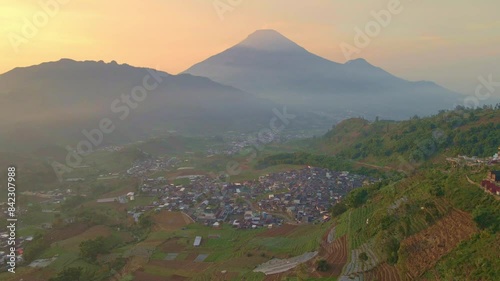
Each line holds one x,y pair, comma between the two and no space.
269,64
53,102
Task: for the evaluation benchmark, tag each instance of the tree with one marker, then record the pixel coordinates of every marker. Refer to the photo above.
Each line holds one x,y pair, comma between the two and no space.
391,248
357,197
486,218
90,249
437,191
363,256
387,221
323,266
338,209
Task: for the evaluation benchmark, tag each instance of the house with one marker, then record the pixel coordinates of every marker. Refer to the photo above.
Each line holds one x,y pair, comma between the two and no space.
131,196
255,220
491,187
197,241
494,176
248,215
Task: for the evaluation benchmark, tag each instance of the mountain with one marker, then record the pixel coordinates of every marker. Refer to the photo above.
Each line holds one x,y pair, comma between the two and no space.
269,64
53,102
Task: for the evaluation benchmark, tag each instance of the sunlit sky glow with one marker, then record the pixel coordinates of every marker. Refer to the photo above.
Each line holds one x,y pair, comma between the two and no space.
448,41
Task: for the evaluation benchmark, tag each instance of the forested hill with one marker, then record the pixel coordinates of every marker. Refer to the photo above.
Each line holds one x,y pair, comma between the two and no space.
358,145
462,131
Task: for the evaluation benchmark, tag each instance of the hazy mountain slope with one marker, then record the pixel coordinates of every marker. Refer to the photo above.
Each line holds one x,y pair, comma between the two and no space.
53,102
271,65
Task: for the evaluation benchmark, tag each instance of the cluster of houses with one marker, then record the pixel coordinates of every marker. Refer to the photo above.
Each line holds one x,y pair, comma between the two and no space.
462,160
149,164
4,248
112,148
254,219
491,183
306,195
55,196
301,196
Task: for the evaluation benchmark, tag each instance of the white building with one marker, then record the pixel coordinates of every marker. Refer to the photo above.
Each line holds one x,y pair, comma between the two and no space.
197,241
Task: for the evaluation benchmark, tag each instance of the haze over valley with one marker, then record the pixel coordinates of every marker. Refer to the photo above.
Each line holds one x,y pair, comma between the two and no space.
249,140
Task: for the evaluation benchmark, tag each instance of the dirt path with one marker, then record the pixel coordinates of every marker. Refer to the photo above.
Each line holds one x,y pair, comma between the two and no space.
478,185
472,182
187,218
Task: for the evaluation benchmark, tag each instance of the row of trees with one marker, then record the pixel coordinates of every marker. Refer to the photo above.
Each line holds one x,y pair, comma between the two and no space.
91,249
336,163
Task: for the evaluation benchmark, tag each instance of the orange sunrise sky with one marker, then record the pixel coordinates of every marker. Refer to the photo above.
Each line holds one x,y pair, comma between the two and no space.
448,41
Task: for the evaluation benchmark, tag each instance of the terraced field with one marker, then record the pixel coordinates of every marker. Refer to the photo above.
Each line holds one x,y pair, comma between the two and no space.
356,265
428,246
279,231
417,223
383,272
353,224
359,219
302,239
335,253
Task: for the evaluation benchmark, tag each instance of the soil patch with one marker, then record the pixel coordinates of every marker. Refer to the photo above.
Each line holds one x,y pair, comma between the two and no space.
425,248
66,232
169,221
280,231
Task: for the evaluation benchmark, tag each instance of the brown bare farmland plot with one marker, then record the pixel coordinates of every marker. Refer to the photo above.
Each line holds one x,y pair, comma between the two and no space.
279,231
428,246
169,221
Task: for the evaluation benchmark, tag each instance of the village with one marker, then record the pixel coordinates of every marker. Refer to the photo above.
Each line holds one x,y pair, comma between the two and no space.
463,160
301,196
491,183
297,196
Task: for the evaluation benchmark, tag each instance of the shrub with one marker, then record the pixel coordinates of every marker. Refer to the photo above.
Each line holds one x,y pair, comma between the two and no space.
486,218
323,266
338,209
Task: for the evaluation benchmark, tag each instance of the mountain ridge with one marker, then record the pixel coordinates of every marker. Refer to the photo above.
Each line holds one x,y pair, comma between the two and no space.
270,65
56,100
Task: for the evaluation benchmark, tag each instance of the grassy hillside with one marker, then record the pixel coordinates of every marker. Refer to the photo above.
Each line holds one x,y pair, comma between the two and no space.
431,224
